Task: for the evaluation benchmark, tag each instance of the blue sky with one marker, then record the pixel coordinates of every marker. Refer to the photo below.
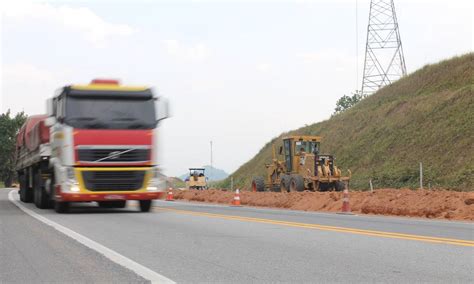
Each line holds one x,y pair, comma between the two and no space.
231,70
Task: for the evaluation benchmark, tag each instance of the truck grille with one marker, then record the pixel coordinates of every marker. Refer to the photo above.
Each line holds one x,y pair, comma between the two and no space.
113,180
111,155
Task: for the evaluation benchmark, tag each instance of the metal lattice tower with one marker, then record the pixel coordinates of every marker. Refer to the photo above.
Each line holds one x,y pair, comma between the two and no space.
384,59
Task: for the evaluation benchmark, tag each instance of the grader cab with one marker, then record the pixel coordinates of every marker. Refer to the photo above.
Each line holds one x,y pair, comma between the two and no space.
302,168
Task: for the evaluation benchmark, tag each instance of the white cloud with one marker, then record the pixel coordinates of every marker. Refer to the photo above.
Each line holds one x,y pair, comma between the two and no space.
92,27
263,67
178,50
27,86
338,60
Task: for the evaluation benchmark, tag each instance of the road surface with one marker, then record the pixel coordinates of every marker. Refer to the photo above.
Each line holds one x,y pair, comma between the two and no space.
187,242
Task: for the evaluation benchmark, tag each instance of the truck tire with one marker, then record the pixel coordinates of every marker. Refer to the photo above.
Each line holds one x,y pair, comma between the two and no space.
296,183
61,207
22,191
285,183
340,185
41,198
258,184
145,205
26,193
113,204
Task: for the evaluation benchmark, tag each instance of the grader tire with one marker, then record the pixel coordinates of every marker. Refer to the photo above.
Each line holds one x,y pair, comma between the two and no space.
285,183
296,183
258,184
324,186
340,185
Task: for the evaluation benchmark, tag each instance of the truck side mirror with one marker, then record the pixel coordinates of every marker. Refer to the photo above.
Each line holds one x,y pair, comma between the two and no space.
49,107
281,150
162,109
50,121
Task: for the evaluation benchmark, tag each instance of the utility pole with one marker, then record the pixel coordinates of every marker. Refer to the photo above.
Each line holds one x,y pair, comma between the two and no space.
384,60
210,172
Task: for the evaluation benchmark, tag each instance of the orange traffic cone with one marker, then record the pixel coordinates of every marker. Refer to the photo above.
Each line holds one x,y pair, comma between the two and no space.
236,201
346,208
169,197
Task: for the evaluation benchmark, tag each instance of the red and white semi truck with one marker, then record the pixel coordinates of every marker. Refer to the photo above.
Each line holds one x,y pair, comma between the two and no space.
98,142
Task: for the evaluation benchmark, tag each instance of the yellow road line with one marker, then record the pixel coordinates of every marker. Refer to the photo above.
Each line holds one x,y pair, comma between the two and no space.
457,242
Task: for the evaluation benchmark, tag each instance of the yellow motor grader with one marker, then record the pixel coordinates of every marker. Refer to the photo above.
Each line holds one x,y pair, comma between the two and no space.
302,168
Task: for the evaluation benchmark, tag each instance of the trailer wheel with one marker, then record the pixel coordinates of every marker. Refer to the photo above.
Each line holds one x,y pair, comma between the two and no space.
145,205
285,183
40,195
296,183
22,192
26,194
61,207
258,184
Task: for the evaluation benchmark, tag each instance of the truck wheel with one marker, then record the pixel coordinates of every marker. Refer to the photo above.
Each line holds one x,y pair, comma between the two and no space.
145,205
22,192
258,184
40,195
296,183
340,185
285,183
113,204
26,193
61,207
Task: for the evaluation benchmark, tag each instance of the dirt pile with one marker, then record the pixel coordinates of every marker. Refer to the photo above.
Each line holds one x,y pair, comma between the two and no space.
441,204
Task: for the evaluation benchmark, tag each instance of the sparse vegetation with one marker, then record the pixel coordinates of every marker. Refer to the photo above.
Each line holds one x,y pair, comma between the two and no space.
346,102
425,117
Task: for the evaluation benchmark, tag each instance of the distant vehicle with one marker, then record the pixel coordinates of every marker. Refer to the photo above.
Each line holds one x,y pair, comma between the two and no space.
97,143
197,179
303,168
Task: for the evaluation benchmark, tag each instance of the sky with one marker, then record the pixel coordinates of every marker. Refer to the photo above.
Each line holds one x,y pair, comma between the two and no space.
237,73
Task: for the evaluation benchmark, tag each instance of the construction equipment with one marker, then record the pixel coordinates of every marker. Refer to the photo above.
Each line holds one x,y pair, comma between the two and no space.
197,179
303,168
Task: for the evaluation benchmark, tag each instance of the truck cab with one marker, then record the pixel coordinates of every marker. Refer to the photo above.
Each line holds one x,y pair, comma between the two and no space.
103,140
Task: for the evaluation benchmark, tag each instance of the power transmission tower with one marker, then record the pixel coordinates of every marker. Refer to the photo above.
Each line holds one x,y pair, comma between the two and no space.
384,59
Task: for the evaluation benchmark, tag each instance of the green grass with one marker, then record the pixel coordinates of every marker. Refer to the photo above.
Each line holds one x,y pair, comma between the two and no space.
426,117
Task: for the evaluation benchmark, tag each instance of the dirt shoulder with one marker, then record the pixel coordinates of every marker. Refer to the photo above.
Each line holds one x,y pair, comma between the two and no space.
439,204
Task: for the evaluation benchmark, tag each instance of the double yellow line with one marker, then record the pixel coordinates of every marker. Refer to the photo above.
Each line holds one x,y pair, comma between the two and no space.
429,239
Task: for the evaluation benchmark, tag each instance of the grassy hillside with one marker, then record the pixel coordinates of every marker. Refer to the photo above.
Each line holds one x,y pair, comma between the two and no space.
426,117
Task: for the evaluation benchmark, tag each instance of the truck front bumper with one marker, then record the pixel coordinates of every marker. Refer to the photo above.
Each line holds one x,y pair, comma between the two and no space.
108,184
107,196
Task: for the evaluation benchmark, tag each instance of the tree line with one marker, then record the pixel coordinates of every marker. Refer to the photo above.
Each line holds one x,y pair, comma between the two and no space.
9,126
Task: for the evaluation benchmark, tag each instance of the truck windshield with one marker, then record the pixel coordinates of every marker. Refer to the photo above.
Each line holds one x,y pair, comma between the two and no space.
105,113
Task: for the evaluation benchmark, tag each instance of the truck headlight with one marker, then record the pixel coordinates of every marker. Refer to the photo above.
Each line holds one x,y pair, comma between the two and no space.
157,181
71,181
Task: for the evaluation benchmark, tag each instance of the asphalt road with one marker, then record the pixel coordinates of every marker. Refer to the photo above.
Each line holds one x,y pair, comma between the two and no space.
209,243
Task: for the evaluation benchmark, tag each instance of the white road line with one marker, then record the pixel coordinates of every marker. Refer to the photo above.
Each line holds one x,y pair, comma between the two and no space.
108,253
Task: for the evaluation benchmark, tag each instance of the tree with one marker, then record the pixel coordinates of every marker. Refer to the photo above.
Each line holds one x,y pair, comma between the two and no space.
9,127
346,102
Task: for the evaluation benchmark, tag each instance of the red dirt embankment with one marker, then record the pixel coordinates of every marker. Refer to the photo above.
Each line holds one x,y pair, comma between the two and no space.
440,204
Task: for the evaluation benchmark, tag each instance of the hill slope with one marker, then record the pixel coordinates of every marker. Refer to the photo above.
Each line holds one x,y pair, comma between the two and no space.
426,117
